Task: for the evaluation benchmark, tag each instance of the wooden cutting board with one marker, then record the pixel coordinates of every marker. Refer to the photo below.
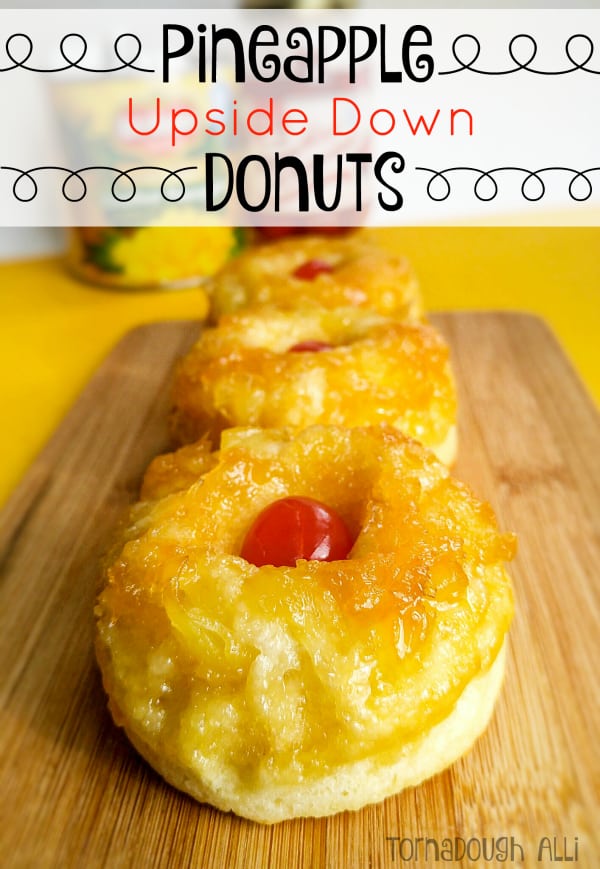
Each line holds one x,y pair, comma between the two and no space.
74,794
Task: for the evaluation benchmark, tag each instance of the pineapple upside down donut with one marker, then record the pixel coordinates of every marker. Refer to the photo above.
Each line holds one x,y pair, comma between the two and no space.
272,368
313,624
329,271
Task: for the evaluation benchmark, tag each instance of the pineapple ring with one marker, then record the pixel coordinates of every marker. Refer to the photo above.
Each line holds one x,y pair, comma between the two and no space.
363,275
378,371
306,690
274,691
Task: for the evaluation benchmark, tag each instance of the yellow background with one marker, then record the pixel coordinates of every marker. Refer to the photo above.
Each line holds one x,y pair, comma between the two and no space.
54,331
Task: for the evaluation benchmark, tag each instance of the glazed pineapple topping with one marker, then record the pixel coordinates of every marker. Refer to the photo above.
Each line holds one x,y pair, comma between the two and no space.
309,270
310,347
292,529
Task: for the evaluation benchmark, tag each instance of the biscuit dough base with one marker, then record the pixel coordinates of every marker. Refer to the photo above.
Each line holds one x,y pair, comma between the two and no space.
353,785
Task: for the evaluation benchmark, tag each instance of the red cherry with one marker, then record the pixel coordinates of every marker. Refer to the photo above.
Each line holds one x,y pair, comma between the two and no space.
274,232
331,230
294,528
310,347
309,270
270,233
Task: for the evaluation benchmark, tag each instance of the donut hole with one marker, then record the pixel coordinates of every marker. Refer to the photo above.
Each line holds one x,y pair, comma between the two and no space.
311,269
280,468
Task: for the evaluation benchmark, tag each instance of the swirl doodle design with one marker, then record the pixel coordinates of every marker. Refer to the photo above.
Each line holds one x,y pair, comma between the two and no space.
74,188
522,49
73,48
486,188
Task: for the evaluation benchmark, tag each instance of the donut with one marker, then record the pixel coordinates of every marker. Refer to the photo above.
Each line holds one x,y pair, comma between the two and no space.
298,685
273,368
326,270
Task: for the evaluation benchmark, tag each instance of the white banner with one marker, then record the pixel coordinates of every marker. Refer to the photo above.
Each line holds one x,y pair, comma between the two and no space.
240,118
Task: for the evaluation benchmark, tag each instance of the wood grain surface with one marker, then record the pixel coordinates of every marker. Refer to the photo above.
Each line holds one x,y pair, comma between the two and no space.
74,794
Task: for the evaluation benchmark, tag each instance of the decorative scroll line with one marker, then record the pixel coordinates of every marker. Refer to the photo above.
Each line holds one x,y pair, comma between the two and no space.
485,187
121,174
79,46
466,50
486,175
520,43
